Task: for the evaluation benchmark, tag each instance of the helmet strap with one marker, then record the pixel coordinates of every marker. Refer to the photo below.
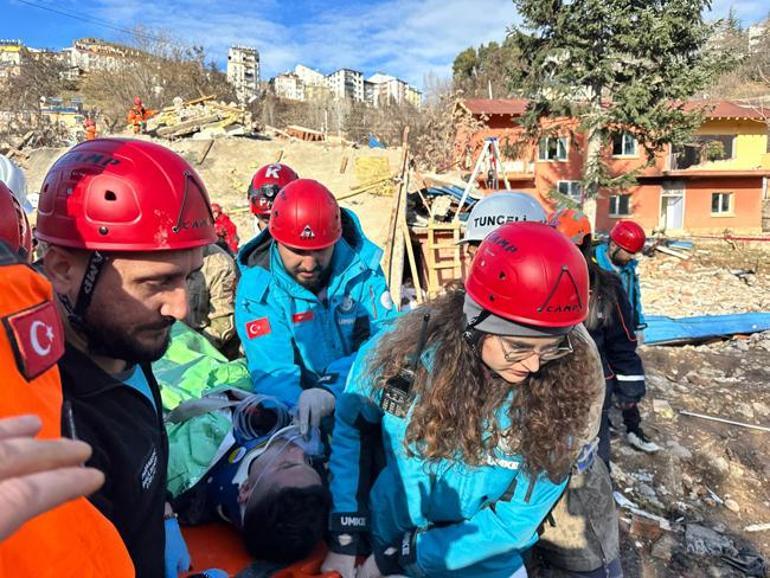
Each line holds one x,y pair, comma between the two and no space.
76,312
471,335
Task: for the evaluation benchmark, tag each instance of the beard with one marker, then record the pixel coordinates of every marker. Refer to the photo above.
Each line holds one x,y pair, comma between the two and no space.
112,340
318,283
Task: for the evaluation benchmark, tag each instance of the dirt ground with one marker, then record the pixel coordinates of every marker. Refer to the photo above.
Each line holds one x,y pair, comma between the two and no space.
711,480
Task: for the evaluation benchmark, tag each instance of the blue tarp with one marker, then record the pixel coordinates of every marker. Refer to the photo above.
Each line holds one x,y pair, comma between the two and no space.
664,330
452,191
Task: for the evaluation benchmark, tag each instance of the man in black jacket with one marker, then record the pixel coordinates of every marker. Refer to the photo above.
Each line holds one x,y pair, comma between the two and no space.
124,223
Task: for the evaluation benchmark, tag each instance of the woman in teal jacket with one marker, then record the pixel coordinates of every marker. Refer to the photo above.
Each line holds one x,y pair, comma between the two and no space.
479,404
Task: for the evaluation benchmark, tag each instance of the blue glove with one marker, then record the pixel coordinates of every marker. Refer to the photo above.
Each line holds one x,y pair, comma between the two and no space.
177,557
211,573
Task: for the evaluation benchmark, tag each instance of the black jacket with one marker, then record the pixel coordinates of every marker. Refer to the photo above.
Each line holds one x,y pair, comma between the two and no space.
611,326
130,447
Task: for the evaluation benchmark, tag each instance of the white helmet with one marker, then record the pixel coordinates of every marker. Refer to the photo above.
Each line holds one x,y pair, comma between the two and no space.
14,179
499,208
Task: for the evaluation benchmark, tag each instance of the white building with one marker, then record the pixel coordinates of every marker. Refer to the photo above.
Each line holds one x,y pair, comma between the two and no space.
288,85
346,84
386,89
243,72
88,54
309,77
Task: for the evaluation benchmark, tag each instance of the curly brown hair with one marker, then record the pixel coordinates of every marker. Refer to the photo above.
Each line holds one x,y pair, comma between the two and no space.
455,416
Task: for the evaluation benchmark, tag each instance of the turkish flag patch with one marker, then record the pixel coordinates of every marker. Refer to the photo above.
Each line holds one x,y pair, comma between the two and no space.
257,328
301,317
37,337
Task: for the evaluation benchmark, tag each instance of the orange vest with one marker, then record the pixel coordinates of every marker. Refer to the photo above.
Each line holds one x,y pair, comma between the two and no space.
74,539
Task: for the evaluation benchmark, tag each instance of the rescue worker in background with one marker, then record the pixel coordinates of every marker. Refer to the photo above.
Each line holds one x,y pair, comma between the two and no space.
124,223
481,402
89,125
212,300
311,293
618,255
610,322
137,116
227,232
47,529
264,188
496,210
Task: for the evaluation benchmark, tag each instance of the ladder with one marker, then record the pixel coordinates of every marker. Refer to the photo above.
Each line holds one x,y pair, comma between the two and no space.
437,262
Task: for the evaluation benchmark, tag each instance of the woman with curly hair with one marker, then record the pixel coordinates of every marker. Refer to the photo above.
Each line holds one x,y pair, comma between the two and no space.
481,402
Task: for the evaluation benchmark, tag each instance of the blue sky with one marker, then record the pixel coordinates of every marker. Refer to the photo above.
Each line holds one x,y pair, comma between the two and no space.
407,38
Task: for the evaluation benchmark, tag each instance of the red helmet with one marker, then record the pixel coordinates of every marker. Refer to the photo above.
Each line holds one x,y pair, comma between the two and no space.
306,216
14,227
530,273
137,101
124,195
629,236
265,185
216,208
572,223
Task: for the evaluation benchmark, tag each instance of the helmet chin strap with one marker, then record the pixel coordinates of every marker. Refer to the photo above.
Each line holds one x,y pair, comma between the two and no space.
76,312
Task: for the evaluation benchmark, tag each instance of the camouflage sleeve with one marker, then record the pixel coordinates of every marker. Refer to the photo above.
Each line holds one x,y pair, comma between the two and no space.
221,280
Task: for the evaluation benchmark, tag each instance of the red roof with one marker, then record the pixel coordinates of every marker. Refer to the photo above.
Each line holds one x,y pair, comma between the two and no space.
715,109
501,106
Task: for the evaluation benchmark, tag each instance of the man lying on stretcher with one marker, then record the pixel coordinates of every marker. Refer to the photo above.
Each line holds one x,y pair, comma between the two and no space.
267,479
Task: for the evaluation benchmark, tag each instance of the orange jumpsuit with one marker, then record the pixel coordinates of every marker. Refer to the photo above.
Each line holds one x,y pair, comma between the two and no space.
73,540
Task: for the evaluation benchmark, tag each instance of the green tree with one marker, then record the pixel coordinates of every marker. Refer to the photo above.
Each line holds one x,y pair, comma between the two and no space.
616,65
465,64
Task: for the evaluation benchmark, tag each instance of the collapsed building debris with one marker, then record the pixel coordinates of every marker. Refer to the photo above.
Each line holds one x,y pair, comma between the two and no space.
202,118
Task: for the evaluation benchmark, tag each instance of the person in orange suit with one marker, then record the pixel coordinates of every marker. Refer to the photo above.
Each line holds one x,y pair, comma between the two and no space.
47,528
227,232
137,116
90,127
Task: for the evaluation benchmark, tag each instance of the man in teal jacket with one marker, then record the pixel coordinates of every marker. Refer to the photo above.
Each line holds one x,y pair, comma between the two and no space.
627,239
311,293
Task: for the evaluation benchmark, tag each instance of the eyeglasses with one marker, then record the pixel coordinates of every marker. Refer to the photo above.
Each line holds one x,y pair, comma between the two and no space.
517,354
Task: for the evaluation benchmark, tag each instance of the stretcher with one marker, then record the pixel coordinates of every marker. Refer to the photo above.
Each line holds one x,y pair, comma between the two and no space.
218,545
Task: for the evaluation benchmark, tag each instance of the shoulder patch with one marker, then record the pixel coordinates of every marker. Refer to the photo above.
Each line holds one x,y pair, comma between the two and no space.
37,337
258,327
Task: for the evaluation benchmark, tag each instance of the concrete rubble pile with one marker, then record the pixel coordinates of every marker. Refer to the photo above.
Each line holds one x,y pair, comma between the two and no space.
200,118
704,284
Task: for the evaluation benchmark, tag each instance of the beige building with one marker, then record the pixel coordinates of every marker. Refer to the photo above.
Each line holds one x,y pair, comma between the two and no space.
10,58
289,86
385,89
243,72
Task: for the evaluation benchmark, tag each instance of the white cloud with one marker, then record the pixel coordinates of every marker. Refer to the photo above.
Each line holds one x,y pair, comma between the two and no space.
406,38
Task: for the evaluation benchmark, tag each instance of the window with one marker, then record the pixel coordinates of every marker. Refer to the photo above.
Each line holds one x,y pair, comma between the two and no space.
704,148
620,205
721,203
571,189
623,145
553,149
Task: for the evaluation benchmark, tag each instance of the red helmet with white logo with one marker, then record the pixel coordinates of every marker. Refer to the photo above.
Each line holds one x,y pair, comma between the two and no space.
572,223
265,185
532,274
124,195
306,216
14,226
629,236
